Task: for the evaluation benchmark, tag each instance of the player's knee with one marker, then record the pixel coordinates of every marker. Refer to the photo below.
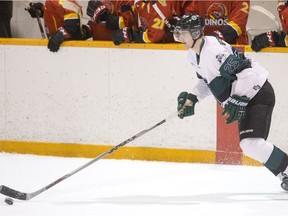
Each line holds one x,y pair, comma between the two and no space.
257,148
247,145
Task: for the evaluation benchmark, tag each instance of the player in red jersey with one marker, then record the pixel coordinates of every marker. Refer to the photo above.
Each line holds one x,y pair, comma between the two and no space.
108,16
225,19
151,28
273,38
62,21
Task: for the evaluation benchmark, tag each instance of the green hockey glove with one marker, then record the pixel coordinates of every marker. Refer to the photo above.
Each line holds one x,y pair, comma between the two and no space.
186,104
235,107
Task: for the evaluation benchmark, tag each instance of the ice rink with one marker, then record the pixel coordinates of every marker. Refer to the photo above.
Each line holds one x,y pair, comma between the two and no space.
137,188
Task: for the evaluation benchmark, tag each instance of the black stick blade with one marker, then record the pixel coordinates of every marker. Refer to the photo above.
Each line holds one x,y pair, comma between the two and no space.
13,193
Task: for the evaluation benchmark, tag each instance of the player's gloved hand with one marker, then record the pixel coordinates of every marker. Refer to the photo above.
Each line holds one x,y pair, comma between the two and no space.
57,39
173,23
263,40
35,9
186,104
98,11
235,107
86,32
122,35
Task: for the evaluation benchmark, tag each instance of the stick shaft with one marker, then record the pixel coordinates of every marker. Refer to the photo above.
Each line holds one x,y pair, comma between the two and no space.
41,27
162,16
27,196
268,14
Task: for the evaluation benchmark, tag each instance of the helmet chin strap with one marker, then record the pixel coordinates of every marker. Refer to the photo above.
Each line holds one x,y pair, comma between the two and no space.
194,41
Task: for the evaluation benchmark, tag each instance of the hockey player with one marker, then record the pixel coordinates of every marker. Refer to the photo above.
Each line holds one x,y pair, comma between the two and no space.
225,19
239,84
151,27
273,38
62,19
108,16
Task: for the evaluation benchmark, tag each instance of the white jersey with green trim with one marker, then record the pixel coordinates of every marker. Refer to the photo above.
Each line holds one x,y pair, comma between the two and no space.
224,71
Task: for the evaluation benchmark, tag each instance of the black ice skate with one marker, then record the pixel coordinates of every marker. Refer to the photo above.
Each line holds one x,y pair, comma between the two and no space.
284,183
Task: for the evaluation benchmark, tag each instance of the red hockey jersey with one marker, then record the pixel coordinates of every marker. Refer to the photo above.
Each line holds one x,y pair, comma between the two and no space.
152,24
55,14
217,14
283,15
101,32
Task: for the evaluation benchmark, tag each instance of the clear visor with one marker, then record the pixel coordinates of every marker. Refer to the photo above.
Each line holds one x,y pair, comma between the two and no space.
180,34
195,33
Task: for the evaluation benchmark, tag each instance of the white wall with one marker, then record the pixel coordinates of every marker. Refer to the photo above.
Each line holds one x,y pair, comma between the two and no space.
92,95
2,90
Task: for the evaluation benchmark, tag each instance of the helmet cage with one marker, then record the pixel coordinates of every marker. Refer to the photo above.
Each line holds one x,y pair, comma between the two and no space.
196,33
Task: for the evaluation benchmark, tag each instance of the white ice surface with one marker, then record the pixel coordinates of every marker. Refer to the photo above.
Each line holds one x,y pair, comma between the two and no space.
137,188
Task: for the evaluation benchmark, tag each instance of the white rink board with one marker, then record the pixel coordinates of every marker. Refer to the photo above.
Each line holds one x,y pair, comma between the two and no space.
2,90
106,95
92,95
53,99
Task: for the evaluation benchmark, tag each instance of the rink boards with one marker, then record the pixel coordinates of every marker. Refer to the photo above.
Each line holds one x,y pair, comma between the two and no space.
92,95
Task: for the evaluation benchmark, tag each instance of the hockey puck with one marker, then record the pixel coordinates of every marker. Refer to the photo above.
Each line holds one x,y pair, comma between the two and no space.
9,201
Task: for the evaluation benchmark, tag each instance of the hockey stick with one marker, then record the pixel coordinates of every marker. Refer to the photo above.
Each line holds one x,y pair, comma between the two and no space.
44,36
43,33
75,8
269,14
163,17
27,196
